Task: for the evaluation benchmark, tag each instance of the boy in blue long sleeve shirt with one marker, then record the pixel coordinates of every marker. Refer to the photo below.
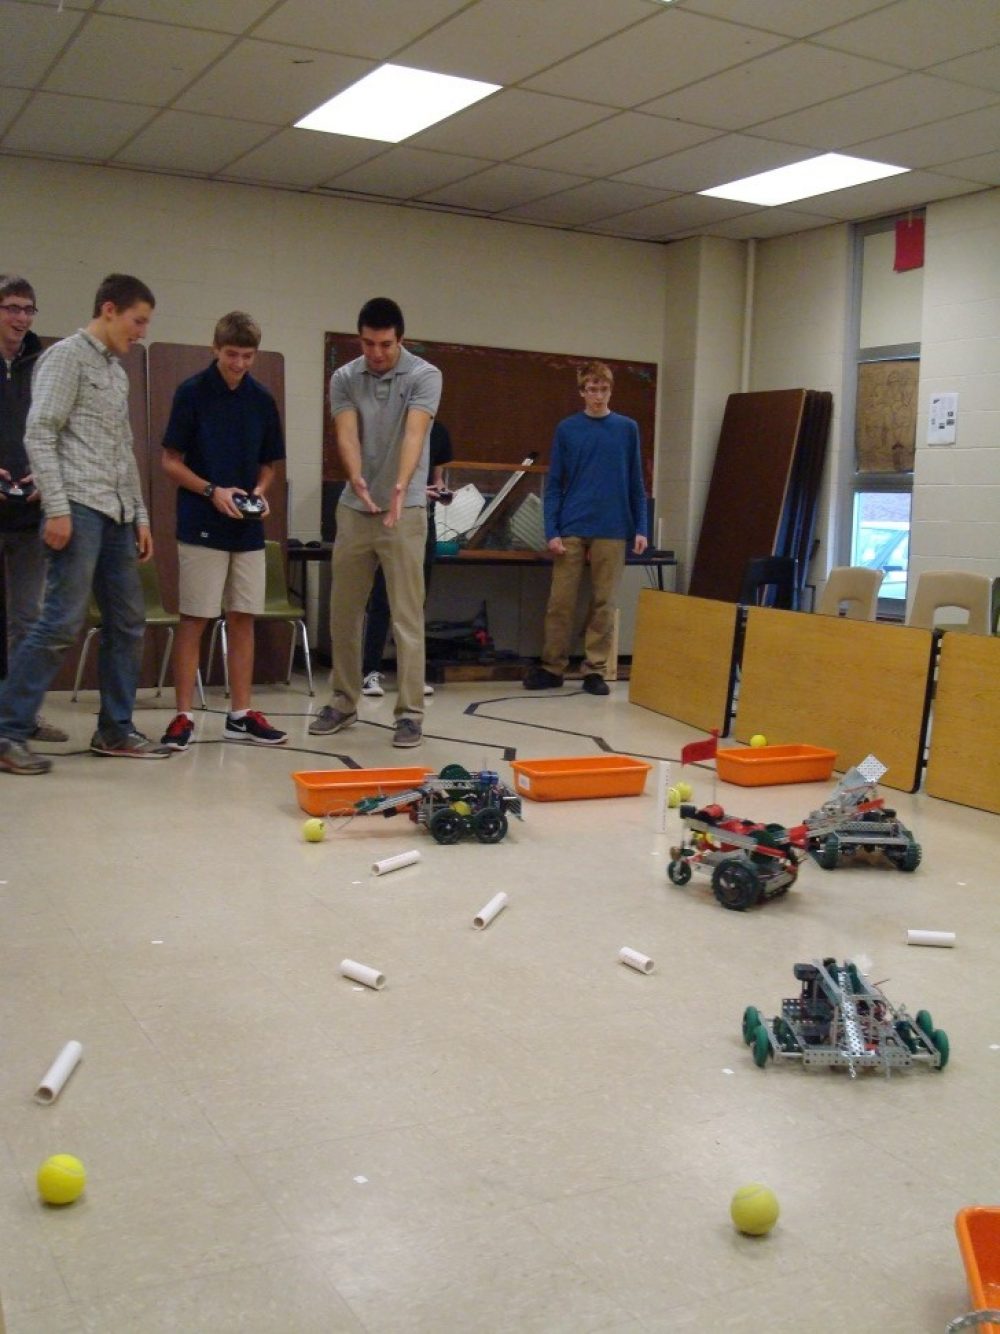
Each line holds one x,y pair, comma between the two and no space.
595,504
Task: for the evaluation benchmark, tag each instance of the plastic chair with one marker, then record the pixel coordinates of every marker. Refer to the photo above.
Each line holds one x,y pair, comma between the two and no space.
771,581
962,589
157,617
278,606
851,591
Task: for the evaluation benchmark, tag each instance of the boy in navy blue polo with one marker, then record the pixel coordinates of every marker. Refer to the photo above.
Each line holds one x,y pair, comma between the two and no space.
222,441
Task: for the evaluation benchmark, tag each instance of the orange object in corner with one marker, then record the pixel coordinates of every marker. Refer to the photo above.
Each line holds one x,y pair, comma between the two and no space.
580,777
978,1231
763,765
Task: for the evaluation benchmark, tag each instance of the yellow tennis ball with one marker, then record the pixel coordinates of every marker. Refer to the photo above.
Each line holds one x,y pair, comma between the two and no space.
673,797
754,1209
61,1179
314,831
685,791
461,808
758,740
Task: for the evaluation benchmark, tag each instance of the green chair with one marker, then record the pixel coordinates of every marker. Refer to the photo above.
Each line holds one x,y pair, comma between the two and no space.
278,606
157,617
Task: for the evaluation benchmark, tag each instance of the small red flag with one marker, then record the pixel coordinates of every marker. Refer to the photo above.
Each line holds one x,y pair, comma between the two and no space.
909,244
701,750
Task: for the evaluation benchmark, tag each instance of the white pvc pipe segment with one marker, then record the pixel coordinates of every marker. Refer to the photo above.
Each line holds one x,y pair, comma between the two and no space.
943,939
360,972
401,859
58,1072
486,914
642,963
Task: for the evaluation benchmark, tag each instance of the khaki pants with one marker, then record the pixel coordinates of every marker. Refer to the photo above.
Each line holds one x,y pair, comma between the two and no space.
363,542
607,561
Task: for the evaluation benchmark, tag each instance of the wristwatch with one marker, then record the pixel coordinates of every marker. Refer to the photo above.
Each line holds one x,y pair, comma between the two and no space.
208,491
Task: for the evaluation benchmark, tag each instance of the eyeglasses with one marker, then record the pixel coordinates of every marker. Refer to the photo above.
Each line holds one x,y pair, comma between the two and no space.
30,311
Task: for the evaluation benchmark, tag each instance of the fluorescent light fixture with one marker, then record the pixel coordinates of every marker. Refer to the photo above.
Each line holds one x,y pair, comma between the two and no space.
394,102
802,180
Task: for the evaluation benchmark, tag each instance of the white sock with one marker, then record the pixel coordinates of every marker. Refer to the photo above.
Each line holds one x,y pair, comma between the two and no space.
237,714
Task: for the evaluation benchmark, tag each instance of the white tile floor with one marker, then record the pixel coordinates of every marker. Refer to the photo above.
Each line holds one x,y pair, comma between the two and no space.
517,1134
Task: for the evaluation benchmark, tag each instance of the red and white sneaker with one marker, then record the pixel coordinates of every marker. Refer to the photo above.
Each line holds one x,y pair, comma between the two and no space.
253,726
178,734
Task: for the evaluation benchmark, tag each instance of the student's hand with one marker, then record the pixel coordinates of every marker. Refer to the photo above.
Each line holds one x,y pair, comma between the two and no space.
556,546
57,532
641,543
143,543
5,476
395,511
260,496
222,499
360,488
33,497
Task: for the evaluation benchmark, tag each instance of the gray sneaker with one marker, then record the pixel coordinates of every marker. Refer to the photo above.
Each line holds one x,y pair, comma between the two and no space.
16,758
132,746
408,732
45,731
330,720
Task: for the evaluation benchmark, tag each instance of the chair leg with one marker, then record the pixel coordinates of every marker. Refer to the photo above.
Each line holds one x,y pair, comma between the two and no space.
305,654
224,641
165,660
294,625
201,688
94,630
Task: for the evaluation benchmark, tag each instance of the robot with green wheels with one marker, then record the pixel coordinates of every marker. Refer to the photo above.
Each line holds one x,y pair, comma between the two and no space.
840,1018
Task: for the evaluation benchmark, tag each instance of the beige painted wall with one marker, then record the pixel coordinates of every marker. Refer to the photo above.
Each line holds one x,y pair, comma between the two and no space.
302,265
891,302
956,488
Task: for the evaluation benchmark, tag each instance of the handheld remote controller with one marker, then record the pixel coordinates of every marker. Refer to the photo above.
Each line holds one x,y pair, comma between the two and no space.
251,507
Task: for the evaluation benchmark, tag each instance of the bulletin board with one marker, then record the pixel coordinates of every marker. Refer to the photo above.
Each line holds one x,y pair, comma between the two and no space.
500,403
886,430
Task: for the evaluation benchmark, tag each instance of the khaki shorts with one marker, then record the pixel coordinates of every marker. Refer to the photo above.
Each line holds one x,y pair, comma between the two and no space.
213,581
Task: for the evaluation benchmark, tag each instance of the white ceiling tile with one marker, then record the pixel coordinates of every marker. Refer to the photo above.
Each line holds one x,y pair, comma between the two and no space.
233,16
509,123
913,190
11,102
587,203
402,173
160,58
658,221
74,126
900,104
300,158
505,41
767,222
270,83
355,27
669,50
781,81
920,32
793,18
32,37
181,141
985,168
728,158
982,70
501,187
928,145
616,144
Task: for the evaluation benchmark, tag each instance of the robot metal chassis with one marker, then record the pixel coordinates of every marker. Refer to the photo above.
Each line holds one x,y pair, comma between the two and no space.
748,862
453,805
841,1019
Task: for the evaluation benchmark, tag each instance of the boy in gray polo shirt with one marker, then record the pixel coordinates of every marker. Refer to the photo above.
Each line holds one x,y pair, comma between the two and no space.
383,404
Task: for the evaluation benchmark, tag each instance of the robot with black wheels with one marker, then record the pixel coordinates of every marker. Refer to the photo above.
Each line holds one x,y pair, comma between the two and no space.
749,862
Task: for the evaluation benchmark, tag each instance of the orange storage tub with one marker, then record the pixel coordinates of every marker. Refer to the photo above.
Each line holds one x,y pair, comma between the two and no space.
578,778
978,1231
763,765
334,791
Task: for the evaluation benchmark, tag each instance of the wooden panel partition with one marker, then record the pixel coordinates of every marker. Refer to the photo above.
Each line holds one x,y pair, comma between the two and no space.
857,687
682,658
964,762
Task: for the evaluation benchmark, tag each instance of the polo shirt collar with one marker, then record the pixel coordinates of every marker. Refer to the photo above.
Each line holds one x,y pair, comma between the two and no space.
404,363
98,346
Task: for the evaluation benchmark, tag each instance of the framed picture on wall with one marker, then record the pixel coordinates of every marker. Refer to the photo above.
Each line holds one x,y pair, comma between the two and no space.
886,420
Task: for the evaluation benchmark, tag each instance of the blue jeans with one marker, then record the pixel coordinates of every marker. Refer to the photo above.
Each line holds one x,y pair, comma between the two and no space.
101,555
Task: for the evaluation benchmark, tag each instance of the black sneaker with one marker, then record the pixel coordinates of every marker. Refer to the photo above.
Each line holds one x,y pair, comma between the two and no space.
253,726
179,733
595,684
538,678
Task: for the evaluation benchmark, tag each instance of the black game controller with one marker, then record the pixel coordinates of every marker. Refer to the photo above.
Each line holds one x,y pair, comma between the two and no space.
442,495
251,507
15,491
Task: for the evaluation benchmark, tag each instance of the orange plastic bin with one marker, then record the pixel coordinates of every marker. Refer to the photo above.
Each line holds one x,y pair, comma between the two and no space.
978,1231
580,777
334,791
762,766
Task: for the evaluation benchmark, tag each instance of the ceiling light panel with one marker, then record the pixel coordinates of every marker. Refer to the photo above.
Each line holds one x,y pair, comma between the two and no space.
803,180
395,102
